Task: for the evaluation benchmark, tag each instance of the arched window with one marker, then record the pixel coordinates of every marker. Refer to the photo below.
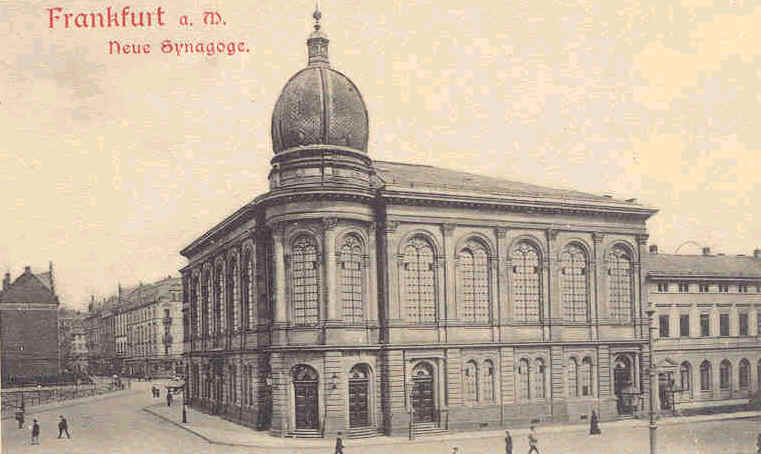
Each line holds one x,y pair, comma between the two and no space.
233,393
470,380
247,291
744,370
705,376
573,381
473,280
305,281
352,279
725,375
619,285
523,379
419,281
586,376
526,282
538,378
486,389
233,295
194,312
685,376
206,298
573,283
219,306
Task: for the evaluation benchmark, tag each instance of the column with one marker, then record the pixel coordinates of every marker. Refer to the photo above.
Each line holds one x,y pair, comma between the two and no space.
450,300
334,401
552,305
329,249
640,288
372,276
281,310
391,273
500,286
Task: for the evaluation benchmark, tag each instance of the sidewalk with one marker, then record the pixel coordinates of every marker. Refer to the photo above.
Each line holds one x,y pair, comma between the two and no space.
32,410
216,430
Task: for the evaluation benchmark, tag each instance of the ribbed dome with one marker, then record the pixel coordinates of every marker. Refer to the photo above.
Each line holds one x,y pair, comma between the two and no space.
319,105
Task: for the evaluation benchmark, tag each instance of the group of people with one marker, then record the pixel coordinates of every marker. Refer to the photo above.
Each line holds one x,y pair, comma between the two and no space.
155,391
63,428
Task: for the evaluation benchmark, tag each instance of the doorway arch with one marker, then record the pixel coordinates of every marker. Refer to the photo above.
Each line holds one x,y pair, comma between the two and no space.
305,385
359,396
422,393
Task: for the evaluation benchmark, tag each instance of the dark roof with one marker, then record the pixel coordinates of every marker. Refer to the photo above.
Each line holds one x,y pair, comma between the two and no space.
727,266
28,288
46,278
152,292
436,178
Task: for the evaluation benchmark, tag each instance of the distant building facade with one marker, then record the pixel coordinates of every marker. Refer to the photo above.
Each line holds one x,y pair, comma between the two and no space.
358,296
29,344
73,342
707,336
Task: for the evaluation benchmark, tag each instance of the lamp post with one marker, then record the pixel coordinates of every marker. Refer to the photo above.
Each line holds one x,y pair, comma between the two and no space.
412,415
651,373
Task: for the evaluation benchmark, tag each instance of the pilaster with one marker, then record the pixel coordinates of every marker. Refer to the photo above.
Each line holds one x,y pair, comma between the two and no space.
334,415
372,276
329,245
450,299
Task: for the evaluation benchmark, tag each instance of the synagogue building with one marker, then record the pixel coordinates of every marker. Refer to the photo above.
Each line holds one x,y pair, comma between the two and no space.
362,296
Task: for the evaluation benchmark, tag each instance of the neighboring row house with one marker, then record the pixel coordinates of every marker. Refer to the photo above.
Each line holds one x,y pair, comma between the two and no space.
358,296
708,327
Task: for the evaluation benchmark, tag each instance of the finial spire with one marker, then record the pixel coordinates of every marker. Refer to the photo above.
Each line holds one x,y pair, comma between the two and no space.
317,43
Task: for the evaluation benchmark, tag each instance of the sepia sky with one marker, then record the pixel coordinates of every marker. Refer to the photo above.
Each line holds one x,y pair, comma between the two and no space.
109,164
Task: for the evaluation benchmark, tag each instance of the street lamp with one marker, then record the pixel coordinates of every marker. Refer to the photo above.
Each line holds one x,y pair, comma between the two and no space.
412,415
651,373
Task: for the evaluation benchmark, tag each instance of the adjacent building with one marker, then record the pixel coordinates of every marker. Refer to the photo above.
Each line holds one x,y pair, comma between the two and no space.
72,341
29,345
707,318
361,296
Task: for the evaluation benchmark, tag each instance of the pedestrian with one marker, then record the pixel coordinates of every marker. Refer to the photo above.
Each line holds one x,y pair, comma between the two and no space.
20,417
339,445
35,432
532,441
594,425
508,443
758,444
168,399
158,393
63,427
456,450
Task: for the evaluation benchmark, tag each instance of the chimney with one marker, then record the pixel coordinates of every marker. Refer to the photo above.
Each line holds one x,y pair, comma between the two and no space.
706,251
6,281
52,282
653,248
28,269
757,253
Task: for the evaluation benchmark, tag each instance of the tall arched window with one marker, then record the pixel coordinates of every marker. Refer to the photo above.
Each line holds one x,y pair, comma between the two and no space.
538,379
233,294
419,281
206,302
573,283
352,281
685,376
194,318
526,282
470,380
233,393
247,291
586,376
487,381
705,376
473,280
744,370
523,379
573,380
725,375
619,285
219,305
305,281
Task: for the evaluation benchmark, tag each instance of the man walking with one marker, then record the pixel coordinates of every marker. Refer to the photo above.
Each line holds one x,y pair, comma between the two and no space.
508,443
339,445
532,441
35,433
63,427
168,399
594,424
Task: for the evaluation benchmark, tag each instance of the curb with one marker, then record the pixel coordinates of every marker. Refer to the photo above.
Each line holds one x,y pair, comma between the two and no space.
453,437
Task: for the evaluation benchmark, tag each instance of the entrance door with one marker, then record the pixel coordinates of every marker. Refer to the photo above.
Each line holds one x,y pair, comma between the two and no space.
305,397
664,391
422,393
358,397
622,385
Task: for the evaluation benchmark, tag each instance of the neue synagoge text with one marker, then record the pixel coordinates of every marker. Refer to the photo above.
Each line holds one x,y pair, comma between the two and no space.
357,295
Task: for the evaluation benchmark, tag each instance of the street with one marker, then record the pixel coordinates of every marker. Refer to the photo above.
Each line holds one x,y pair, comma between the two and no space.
117,424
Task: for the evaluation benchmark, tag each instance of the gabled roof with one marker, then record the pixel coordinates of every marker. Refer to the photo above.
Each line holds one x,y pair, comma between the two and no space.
46,278
724,266
418,176
28,288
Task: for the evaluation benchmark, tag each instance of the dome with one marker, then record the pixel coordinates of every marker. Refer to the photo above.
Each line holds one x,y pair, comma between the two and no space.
319,105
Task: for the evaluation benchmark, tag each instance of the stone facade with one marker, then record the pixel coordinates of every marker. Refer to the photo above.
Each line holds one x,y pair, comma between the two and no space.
357,295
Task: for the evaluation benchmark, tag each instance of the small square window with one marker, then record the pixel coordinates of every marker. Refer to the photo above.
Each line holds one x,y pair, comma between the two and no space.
723,288
742,288
663,287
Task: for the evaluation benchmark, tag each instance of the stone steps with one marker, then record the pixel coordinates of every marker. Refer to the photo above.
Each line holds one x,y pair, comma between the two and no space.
305,433
426,429
362,432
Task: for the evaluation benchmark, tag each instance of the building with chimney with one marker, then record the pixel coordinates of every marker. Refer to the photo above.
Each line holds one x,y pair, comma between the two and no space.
366,297
29,345
707,320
